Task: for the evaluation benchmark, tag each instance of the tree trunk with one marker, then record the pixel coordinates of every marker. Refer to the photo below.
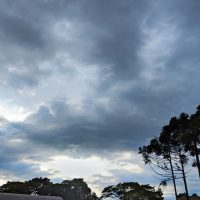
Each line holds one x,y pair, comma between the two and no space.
173,177
197,157
184,178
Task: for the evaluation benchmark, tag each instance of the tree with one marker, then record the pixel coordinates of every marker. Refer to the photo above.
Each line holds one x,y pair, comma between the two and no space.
191,138
167,152
172,138
80,188
132,190
15,187
37,184
159,157
28,187
68,189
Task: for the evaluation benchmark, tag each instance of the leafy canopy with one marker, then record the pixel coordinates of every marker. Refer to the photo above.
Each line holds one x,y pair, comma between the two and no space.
132,190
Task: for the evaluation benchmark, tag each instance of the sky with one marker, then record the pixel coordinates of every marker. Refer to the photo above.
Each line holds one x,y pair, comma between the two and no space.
84,83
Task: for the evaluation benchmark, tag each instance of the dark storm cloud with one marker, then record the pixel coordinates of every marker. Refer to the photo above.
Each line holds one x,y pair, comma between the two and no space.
107,35
113,32
183,16
119,38
14,155
17,29
24,39
61,126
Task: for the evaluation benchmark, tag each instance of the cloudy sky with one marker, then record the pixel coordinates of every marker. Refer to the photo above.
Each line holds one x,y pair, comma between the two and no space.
84,83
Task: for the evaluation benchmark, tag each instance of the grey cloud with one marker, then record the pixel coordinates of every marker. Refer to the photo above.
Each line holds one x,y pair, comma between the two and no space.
24,44
62,127
3,120
114,32
16,29
183,17
109,36
102,37
20,158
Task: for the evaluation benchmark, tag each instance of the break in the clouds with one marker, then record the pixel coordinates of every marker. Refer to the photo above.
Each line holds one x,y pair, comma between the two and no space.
86,79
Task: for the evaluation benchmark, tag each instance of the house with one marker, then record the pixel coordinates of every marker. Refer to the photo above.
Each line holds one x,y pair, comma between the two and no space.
10,196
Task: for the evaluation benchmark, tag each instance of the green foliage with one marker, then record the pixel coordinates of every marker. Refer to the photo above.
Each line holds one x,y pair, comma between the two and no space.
15,187
68,189
132,190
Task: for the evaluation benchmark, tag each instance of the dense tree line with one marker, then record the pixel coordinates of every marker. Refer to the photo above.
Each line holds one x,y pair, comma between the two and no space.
77,189
68,189
132,190
177,145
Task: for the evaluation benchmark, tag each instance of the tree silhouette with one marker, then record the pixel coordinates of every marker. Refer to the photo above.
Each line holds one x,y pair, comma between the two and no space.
159,157
191,138
172,137
132,190
68,189
167,154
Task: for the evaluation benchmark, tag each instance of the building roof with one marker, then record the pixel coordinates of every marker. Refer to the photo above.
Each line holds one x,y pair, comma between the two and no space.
10,196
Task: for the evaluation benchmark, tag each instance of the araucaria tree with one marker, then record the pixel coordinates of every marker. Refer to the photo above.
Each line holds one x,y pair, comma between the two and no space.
159,157
171,137
166,154
191,138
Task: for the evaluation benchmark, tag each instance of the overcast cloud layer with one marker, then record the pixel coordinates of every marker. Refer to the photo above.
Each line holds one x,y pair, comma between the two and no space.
90,79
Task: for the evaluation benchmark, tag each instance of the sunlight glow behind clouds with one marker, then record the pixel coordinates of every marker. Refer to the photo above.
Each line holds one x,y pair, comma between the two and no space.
13,112
95,80
93,168
70,167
